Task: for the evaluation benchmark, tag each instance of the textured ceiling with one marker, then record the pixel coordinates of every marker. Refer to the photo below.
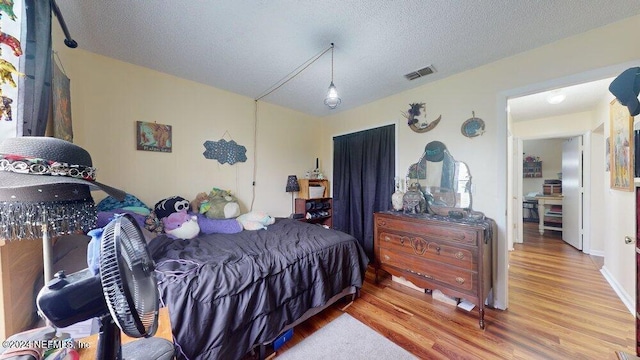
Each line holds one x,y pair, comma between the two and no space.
579,98
247,46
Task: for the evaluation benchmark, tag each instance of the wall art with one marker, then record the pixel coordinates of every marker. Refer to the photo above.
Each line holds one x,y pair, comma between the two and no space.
413,118
621,143
153,136
224,151
473,126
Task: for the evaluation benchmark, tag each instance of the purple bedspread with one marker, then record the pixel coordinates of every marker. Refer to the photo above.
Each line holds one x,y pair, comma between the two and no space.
227,293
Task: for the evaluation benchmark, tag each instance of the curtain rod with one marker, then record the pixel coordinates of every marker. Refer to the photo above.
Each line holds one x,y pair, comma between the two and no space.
68,40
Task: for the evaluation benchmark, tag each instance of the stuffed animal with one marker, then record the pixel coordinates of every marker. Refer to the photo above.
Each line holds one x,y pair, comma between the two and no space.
170,205
180,225
255,220
219,204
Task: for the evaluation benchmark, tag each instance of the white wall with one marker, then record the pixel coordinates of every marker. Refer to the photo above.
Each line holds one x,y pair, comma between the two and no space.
618,218
550,153
484,90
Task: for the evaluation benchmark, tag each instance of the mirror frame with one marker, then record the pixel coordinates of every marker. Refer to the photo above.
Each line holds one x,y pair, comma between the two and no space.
439,198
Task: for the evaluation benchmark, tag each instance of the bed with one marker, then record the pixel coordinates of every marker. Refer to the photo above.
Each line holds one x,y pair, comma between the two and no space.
228,294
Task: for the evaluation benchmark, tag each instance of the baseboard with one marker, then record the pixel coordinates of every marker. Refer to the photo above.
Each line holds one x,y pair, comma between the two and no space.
596,253
626,299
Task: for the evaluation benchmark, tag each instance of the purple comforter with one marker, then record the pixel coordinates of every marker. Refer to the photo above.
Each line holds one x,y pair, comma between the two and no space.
227,293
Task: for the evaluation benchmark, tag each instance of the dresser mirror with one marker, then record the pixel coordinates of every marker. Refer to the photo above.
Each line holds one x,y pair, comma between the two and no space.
445,182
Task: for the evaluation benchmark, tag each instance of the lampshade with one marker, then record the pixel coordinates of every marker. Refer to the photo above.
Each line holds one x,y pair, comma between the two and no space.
292,184
332,100
67,208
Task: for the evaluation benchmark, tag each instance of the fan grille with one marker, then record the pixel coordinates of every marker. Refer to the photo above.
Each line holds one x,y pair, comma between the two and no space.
128,281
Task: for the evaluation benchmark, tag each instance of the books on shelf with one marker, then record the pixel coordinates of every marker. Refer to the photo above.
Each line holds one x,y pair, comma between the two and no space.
554,210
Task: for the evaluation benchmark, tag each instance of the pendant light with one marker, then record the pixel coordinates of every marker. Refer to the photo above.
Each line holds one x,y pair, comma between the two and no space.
332,100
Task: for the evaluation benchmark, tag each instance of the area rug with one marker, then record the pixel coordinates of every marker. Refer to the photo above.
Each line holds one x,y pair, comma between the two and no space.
345,338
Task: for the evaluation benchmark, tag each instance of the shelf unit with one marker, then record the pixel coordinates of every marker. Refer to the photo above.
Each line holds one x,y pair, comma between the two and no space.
532,169
550,210
316,211
306,183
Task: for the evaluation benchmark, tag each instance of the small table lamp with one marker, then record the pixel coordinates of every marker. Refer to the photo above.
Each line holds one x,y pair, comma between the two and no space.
292,186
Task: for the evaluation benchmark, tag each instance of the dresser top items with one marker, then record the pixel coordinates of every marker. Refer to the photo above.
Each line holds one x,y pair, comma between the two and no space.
438,184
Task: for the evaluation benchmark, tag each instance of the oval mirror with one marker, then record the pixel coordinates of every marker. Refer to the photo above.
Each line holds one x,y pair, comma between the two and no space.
444,181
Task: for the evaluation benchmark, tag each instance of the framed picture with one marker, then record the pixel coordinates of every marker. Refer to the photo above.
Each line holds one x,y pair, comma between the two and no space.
153,136
621,144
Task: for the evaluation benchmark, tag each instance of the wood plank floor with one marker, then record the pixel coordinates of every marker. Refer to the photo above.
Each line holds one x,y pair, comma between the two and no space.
560,307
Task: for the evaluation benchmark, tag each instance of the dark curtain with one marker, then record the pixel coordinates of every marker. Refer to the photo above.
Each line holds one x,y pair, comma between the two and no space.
37,68
363,172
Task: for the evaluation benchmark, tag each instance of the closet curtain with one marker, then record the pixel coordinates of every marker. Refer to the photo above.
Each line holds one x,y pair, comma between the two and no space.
363,181
36,84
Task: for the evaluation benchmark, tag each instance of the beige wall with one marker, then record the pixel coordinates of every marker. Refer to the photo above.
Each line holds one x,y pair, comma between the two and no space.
484,90
109,96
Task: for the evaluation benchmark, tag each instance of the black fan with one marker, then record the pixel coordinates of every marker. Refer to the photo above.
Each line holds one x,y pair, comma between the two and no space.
124,294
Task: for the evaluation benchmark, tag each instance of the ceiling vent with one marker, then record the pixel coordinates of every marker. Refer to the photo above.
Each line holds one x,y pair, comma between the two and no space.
420,73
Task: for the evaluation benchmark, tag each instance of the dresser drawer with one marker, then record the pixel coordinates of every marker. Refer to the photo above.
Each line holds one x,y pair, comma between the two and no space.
434,250
430,231
453,277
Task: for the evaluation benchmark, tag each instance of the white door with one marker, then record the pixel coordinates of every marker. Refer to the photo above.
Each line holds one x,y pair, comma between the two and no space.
572,192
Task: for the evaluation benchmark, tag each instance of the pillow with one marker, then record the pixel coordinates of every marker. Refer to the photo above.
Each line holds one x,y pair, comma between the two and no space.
218,226
110,203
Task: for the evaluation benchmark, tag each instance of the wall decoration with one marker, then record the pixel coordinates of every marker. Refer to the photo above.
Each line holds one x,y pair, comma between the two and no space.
621,152
62,128
6,73
153,136
11,32
5,108
473,126
225,151
531,167
414,123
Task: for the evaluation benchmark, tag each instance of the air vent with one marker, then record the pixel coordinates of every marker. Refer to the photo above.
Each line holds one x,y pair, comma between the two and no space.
420,73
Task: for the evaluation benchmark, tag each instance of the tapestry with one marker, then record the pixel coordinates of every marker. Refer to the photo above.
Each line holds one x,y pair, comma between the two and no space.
62,128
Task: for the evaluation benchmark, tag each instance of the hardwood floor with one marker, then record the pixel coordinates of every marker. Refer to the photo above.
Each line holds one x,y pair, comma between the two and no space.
560,307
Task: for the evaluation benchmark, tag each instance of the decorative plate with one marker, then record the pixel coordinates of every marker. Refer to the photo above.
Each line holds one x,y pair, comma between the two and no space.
472,127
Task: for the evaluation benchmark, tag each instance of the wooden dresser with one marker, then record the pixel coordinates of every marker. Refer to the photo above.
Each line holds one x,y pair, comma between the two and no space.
436,252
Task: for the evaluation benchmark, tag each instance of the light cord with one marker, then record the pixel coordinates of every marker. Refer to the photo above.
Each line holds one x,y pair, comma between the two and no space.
296,72
280,83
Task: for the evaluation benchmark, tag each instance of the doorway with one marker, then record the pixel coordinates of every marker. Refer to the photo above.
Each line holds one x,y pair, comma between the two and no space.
551,127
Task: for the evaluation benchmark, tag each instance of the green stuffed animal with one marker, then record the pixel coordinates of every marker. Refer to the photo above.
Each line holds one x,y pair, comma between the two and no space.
219,204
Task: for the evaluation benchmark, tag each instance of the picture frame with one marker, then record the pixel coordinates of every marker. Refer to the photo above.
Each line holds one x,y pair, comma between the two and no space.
151,136
621,147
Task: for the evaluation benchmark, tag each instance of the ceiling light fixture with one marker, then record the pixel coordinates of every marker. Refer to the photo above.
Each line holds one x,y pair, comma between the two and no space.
556,97
332,100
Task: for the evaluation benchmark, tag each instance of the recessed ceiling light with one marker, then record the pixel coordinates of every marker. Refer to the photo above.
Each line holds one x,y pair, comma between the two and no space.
556,97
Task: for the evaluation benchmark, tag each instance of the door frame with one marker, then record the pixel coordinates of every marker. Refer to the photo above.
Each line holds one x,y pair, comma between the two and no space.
504,183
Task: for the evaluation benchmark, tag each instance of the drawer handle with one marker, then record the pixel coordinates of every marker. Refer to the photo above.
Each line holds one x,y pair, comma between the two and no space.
386,238
438,250
419,274
419,245
460,280
459,255
387,257
403,239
